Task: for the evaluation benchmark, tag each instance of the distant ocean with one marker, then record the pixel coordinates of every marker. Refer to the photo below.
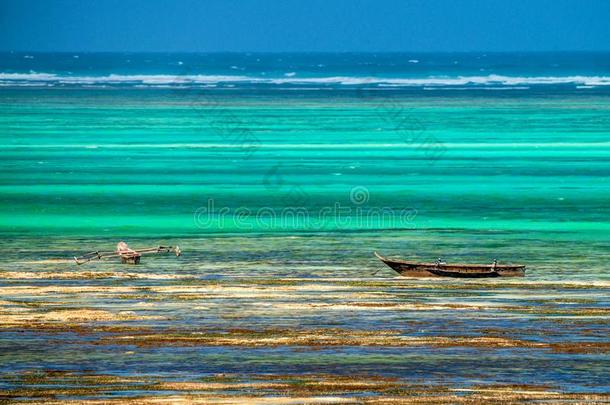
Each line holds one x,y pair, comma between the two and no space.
308,71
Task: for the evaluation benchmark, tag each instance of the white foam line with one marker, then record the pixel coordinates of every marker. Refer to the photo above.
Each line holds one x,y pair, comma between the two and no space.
489,80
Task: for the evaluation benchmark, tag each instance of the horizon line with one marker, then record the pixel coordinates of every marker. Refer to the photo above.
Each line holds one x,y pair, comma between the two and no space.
308,52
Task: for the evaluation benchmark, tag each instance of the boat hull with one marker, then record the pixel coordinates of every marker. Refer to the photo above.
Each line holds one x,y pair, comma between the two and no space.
130,259
414,269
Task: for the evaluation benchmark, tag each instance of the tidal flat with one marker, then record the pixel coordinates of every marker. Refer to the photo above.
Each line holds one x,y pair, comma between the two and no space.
210,327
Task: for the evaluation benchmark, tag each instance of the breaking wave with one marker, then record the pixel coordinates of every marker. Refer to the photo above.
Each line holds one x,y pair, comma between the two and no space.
162,80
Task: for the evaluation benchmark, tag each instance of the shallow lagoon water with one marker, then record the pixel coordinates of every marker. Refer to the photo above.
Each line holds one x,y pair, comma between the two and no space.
264,306
211,314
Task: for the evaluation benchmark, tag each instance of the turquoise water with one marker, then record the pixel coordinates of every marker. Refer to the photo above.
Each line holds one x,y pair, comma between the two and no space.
287,170
110,161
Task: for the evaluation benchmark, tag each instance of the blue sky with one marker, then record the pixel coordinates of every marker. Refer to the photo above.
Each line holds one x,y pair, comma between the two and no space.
307,25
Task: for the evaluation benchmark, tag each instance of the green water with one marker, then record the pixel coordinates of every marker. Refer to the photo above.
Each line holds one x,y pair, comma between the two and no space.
143,162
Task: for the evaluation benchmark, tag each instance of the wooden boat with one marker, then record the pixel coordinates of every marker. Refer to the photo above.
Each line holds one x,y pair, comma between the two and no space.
127,255
442,269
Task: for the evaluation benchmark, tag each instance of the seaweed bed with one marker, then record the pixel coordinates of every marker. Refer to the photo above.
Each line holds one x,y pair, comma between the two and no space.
247,333
61,386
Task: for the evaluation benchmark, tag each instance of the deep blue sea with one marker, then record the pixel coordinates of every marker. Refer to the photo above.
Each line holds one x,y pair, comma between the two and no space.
309,71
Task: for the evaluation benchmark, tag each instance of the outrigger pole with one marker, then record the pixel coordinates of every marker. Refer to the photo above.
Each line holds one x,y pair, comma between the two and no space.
128,256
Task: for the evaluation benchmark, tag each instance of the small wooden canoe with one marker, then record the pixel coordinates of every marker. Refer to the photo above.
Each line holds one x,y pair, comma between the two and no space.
441,269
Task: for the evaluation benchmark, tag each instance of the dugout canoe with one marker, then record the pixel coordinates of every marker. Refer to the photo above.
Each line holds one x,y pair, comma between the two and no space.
459,270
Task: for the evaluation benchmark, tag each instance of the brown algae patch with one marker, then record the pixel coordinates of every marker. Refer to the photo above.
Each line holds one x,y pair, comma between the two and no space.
443,284
314,338
65,316
89,275
31,291
32,316
549,310
581,347
62,387
388,305
81,275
